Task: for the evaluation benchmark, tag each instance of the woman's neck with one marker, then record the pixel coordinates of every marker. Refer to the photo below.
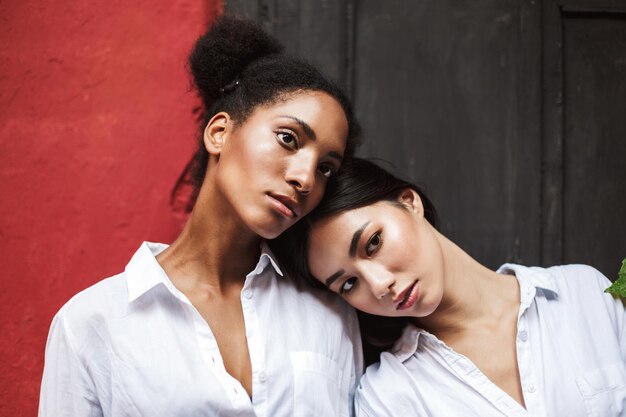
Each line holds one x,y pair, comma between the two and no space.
213,249
473,295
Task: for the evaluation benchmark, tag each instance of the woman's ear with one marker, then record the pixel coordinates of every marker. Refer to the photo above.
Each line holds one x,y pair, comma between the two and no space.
412,201
216,132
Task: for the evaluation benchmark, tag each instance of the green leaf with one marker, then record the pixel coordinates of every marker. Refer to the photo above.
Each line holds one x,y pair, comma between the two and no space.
619,286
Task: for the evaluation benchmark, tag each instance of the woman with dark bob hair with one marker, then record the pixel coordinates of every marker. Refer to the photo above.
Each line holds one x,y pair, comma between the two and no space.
209,326
463,340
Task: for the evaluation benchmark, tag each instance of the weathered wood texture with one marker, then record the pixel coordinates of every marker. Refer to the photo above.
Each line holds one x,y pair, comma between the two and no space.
443,92
317,30
594,137
509,112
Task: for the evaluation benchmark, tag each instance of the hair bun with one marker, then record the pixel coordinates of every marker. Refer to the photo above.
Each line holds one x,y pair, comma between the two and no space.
221,54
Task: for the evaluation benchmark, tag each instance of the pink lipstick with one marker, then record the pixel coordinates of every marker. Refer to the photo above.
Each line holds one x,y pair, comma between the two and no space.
409,297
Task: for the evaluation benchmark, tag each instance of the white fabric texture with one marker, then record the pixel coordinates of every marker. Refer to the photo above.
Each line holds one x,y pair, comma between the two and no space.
571,352
133,345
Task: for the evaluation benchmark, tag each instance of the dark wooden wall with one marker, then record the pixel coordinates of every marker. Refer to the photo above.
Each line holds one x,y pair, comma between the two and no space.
512,114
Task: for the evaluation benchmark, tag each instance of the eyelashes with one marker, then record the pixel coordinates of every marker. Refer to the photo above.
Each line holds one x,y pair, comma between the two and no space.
327,170
373,244
289,140
347,285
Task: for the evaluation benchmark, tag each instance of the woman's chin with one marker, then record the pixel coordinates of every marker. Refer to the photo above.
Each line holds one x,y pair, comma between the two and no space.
269,231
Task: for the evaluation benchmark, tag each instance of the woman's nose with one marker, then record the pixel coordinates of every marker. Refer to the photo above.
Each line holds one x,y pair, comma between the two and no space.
301,174
381,282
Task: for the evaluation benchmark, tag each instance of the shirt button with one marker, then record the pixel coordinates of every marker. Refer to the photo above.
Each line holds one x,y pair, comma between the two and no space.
262,377
247,294
523,336
531,388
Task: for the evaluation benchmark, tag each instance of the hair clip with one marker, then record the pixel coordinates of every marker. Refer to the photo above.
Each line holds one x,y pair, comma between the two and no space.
229,87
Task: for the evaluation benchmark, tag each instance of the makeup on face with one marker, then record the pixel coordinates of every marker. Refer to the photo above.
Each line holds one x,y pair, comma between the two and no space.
274,166
382,259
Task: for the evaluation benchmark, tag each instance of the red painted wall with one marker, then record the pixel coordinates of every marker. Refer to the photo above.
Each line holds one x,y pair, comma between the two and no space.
96,124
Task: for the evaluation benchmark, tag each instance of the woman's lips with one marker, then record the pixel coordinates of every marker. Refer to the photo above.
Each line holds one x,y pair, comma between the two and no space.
409,297
284,205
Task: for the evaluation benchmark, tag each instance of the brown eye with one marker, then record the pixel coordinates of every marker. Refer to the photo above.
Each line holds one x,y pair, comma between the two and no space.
347,285
327,170
287,139
373,244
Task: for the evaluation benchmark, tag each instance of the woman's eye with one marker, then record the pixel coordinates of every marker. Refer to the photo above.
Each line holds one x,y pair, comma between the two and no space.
327,170
347,285
287,139
373,244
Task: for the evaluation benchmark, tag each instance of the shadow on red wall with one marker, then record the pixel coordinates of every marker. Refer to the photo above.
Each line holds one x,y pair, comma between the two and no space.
96,124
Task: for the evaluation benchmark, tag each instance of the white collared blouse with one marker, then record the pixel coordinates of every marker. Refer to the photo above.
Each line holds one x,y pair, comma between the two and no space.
571,353
133,345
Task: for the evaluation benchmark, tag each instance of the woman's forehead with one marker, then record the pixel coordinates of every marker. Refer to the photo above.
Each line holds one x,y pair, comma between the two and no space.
339,228
294,99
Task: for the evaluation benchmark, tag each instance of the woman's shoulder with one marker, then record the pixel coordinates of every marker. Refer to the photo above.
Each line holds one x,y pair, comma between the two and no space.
385,389
560,278
109,297
103,299
574,272
578,280
574,290
584,287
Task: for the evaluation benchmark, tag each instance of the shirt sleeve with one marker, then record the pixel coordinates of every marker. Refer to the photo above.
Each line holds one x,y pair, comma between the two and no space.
616,310
385,399
606,307
387,390
66,388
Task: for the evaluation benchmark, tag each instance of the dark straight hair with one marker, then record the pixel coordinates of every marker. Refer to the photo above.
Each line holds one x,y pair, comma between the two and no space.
358,183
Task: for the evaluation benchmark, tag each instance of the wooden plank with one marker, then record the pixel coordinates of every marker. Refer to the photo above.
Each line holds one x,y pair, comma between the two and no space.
596,5
594,194
439,91
261,11
552,137
246,8
323,36
524,212
317,31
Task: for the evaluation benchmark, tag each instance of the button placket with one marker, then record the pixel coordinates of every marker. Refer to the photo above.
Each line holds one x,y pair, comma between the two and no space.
254,336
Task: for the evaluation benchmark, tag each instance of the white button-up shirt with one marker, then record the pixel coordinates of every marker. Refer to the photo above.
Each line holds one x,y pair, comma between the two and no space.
571,353
133,345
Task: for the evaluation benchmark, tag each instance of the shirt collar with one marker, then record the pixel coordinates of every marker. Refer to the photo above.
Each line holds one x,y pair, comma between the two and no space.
533,281
407,344
530,279
267,255
143,272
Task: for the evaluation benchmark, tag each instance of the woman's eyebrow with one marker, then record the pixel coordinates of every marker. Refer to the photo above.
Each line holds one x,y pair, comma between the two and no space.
355,239
303,125
329,281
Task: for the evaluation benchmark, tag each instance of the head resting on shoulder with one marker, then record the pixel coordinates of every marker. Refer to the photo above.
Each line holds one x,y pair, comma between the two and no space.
359,183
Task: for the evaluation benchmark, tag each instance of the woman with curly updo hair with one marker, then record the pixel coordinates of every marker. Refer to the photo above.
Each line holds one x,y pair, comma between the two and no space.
210,325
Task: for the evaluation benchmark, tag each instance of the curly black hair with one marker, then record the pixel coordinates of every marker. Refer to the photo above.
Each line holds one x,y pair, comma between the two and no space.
236,66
